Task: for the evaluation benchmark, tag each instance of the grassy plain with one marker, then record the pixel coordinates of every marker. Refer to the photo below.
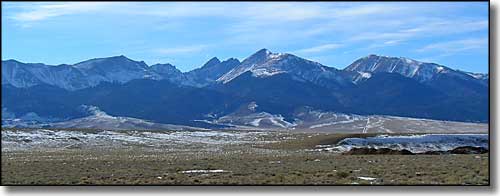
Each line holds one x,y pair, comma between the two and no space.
288,161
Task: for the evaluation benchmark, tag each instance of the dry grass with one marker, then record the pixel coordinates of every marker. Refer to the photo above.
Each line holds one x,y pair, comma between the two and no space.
309,141
285,162
146,167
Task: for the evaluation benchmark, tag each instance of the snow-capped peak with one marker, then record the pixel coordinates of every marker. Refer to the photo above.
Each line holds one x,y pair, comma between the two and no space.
405,66
259,56
264,51
258,63
264,63
276,55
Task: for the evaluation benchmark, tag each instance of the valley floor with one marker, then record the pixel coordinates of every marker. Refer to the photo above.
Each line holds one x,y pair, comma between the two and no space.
274,158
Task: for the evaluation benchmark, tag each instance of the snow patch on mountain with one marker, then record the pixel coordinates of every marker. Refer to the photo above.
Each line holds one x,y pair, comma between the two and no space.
30,119
323,121
248,117
102,120
410,68
85,74
265,64
265,72
374,63
479,76
252,106
256,120
365,74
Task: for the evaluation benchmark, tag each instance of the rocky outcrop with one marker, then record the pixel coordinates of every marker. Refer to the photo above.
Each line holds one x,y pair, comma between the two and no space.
468,150
388,151
377,151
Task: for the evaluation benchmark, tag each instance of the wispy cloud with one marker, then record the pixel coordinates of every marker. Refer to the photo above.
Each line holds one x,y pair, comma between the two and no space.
429,27
42,11
320,48
367,10
236,28
451,47
288,20
326,16
181,50
383,43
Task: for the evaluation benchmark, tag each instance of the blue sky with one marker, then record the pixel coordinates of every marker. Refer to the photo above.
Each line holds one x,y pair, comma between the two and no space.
187,34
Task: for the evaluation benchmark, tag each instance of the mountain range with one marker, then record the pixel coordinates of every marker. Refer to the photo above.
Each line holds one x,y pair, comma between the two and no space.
219,93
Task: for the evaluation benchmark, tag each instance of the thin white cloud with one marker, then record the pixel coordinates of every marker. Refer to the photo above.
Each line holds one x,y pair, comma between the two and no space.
383,44
431,28
42,11
181,50
270,12
451,47
392,42
273,24
421,28
367,10
320,48
264,18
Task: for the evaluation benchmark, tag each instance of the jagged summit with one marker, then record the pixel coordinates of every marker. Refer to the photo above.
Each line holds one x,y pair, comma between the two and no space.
163,67
233,59
265,63
263,51
210,71
260,55
264,55
277,82
86,73
212,62
262,63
